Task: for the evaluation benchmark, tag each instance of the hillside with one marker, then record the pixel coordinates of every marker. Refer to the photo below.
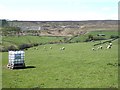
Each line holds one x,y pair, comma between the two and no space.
65,28
33,33
75,67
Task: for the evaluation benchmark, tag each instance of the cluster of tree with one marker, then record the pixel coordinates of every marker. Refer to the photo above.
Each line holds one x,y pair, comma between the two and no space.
6,30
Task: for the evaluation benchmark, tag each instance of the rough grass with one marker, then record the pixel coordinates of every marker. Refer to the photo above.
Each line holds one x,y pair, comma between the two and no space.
83,38
30,39
17,41
75,67
107,33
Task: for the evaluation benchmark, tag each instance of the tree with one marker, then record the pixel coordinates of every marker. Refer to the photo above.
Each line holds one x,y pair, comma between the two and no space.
4,23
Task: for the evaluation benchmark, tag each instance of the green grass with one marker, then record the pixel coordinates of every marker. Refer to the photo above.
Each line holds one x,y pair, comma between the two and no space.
75,67
80,38
30,39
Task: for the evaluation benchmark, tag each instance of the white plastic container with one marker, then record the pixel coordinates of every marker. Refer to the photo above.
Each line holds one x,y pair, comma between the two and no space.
16,59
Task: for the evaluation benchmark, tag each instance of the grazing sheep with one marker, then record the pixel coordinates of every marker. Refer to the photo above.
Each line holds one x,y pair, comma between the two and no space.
63,48
93,48
108,47
110,44
36,48
60,48
101,47
98,47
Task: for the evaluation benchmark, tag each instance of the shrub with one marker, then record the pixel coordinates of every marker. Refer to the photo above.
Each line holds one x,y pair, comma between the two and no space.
77,41
3,49
41,44
36,44
24,46
90,37
50,42
114,36
87,40
12,47
6,49
95,39
99,38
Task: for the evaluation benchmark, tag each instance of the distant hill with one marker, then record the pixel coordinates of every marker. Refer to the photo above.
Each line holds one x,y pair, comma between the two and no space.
63,28
68,24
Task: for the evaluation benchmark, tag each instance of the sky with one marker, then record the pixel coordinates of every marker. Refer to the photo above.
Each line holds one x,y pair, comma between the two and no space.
53,10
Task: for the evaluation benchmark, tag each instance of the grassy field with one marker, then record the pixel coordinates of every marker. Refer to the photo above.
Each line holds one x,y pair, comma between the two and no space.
29,39
78,66
17,42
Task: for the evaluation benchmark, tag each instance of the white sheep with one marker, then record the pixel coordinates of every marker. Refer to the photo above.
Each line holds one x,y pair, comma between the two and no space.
63,48
98,47
60,48
109,46
101,47
93,48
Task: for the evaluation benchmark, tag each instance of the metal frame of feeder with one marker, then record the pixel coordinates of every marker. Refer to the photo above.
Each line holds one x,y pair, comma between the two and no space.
16,59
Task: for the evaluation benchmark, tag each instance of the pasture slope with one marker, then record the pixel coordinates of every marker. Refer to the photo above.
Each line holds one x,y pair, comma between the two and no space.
16,41
78,66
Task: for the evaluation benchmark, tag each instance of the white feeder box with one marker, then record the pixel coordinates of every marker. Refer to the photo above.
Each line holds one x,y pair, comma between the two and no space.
16,59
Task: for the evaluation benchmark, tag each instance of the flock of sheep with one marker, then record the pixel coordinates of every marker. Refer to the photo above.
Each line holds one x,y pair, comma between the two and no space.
101,47
62,48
